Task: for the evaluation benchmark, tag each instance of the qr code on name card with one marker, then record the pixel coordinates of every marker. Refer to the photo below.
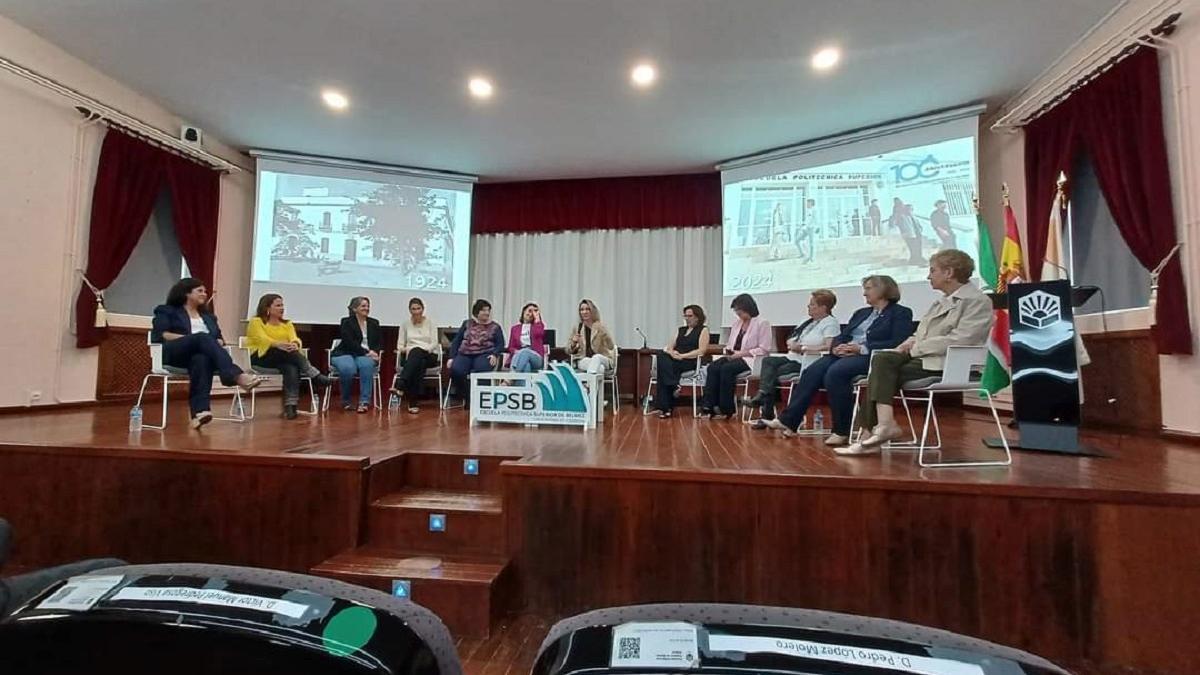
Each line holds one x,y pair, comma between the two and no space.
630,648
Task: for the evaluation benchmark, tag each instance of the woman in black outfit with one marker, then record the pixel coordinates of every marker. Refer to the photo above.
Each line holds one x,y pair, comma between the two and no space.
678,358
358,353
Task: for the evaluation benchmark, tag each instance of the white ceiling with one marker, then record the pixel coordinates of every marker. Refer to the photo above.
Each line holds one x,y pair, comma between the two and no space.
734,75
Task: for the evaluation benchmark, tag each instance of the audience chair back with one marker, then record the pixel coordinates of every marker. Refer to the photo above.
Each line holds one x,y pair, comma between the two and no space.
712,638
189,619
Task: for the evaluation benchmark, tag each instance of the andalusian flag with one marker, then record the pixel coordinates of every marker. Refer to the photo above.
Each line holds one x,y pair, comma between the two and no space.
1012,270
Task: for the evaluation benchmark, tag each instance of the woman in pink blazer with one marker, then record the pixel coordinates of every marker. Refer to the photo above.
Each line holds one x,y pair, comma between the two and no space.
526,340
750,339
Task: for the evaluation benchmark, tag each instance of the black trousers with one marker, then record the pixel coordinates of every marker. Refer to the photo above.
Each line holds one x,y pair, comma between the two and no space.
773,368
412,371
292,365
721,381
669,372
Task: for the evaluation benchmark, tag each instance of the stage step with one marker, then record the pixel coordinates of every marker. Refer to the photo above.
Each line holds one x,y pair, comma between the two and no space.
444,471
473,522
462,590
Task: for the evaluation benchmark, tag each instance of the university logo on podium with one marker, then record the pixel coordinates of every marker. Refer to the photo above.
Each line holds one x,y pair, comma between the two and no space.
1039,309
554,396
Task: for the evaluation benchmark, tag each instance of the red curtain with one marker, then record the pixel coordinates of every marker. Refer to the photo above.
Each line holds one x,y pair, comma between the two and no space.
645,202
1117,119
196,200
129,177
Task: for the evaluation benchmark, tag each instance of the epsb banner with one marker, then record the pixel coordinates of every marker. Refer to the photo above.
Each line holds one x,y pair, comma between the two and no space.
555,396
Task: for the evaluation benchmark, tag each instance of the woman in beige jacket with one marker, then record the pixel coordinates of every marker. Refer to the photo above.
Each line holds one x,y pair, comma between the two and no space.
591,342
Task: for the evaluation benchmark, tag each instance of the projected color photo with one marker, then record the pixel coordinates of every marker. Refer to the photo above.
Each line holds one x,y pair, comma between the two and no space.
832,225
363,234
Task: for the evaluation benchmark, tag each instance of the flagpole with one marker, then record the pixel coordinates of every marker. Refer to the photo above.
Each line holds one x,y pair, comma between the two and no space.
1062,193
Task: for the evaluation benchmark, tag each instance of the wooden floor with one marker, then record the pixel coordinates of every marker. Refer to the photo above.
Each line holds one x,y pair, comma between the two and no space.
1142,467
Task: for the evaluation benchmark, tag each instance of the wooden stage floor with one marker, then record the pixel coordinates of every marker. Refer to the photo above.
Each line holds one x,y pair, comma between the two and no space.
1139,467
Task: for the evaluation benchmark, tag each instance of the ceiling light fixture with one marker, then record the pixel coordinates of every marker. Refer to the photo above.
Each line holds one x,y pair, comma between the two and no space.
826,58
643,75
335,99
480,87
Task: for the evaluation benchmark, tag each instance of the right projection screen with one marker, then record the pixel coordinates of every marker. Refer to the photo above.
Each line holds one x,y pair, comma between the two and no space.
829,217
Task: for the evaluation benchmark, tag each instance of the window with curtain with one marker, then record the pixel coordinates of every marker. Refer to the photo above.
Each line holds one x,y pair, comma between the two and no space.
155,264
1099,255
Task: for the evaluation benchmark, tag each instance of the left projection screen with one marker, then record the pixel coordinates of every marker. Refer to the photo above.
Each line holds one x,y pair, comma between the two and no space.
324,234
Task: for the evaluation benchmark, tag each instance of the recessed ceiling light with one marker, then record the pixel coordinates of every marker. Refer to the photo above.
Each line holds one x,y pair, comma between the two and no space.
480,87
335,99
824,59
643,75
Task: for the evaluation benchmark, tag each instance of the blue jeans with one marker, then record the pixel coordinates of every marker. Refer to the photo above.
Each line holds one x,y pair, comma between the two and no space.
463,365
347,367
834,374
202,356
526,361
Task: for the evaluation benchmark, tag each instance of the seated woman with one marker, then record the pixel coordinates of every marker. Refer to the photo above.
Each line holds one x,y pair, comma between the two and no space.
752,340
477,348
591,342
811,337
526,340
358,353
882,324
678,358
192,339
962,316
417,346
272,342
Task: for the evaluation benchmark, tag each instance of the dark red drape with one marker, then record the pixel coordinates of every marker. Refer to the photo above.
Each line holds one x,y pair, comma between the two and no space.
644,202
129,177
1117,119
195,200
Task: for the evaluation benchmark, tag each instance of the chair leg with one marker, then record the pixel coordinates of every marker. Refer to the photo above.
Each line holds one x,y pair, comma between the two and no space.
165,385
314,407
1007,461
377,393
925,429
141,394
646,401
616,392
855,432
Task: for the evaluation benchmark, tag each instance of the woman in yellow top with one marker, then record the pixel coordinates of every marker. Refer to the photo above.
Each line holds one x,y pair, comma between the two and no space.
273,344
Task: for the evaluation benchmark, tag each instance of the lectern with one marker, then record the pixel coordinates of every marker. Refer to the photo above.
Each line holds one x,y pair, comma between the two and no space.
1045,370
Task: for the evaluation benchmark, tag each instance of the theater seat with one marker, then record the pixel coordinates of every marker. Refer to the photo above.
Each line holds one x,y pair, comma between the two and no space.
188,619
748,638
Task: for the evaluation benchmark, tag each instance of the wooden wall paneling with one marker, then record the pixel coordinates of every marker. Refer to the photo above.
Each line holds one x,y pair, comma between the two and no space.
1124,367
281,513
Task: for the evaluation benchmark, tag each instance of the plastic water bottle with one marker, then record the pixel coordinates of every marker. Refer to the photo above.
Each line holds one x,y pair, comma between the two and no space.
135,419
394,402
819,421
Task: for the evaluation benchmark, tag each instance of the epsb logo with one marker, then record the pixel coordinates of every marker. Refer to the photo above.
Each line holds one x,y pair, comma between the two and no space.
508,400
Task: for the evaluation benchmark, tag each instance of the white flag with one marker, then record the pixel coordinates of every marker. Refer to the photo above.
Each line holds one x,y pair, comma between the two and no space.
1053,265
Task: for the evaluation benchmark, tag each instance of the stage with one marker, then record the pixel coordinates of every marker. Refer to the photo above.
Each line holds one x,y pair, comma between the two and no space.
1075,558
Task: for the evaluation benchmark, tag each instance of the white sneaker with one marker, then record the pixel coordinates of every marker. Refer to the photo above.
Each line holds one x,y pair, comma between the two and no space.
774,423
857,449
835,440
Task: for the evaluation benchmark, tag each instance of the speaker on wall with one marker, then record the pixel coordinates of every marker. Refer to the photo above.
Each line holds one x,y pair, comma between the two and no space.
190,134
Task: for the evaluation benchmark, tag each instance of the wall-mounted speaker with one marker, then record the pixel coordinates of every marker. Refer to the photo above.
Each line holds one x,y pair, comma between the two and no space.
190,134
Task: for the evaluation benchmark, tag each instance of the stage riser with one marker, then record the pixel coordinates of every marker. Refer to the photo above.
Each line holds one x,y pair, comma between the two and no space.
442,471
466,609
178,507
1069,579
467,533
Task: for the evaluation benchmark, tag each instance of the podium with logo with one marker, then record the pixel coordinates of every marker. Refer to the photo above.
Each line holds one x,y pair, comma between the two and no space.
559,395
1045,369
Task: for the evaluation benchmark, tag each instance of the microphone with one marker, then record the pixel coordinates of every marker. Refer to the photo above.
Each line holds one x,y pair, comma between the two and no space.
645,342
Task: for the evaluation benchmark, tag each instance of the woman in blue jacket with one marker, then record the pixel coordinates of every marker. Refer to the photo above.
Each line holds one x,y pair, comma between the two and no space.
883,324
192,339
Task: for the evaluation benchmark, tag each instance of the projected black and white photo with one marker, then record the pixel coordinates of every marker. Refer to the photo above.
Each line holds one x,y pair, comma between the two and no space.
364,234
829,226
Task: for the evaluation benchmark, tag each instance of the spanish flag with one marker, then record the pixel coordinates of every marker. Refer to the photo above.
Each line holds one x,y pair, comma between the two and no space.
1012,270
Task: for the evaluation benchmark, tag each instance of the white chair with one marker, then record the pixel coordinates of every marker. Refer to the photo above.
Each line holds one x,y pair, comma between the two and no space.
788,383
433,372
274,374
689,378
175,375
376,396
609,377
962,363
